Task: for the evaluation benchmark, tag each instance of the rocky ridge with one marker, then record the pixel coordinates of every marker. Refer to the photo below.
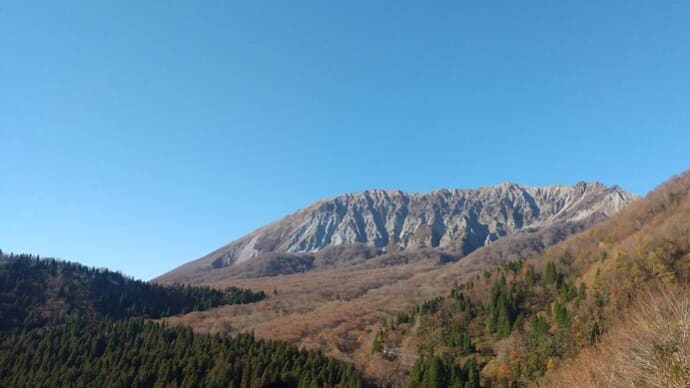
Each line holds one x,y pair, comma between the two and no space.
458,221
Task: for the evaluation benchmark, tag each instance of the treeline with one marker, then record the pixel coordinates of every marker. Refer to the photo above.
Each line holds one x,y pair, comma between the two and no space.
135,353
35,292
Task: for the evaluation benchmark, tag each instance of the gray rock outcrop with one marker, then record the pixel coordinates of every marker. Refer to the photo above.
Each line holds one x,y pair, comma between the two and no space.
458,221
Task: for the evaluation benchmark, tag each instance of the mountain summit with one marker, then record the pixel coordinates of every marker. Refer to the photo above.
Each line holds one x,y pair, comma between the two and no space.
458,221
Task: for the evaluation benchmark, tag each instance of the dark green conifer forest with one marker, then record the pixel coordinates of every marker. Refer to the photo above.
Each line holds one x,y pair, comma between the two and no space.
135,353
63,324
35,292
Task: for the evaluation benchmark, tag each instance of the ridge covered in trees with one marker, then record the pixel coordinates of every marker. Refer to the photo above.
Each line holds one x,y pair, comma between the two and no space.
64,324
35,292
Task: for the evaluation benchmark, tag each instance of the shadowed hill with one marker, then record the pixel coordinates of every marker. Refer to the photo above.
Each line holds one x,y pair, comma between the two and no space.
63,324
36,292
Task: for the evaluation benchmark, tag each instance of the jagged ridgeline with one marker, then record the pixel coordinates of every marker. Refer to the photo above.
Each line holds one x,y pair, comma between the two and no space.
35,292
341,231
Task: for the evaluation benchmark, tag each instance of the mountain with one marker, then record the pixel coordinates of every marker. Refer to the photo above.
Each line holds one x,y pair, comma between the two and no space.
337,231
334,298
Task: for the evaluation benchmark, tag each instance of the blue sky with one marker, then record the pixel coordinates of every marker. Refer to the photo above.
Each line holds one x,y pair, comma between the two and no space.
141,135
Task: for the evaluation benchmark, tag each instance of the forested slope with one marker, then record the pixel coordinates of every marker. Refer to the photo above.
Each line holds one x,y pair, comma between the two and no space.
134,353
36,292
526,319
63,324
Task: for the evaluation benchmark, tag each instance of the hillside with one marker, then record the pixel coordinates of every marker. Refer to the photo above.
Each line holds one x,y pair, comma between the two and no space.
528,322
63,324
37,292
353,228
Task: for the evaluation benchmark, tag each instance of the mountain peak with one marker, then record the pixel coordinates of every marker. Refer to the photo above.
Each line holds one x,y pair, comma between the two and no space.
453,220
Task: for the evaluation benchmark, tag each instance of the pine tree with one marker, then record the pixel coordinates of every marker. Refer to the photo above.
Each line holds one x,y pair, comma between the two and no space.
550,274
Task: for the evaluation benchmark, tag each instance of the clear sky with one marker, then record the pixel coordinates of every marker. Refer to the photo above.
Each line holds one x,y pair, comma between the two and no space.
141,135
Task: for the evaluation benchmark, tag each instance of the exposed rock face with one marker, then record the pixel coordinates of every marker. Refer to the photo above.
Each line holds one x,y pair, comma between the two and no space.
458,221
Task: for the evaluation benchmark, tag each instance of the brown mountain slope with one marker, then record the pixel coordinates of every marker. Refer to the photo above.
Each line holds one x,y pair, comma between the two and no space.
352,228
532,318
648,341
